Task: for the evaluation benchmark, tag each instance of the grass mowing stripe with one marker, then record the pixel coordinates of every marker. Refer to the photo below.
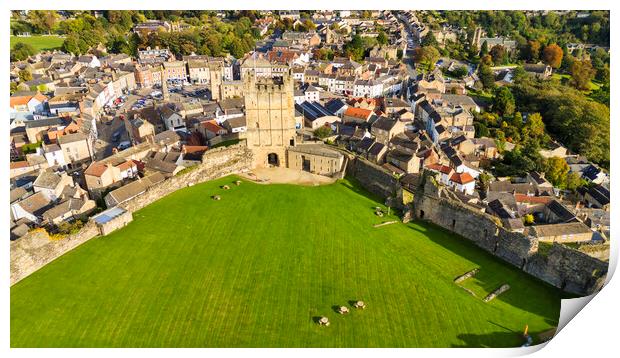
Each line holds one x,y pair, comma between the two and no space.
253,269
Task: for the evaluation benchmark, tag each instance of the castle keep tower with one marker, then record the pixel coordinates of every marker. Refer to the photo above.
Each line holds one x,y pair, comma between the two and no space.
270,117
215,80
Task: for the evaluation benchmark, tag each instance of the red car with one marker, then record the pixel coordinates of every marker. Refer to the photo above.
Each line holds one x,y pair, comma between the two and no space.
122,117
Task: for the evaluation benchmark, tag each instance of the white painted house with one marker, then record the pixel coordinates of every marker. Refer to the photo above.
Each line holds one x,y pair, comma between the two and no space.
367,88
463,182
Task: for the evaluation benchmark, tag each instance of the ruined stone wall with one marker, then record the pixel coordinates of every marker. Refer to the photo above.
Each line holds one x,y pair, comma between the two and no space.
216,163
456,217
374,178
568,269
36,249
562,266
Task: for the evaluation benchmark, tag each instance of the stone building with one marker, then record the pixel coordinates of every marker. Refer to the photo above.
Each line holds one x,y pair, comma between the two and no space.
270,116
562,233
315,159
112,219
75,147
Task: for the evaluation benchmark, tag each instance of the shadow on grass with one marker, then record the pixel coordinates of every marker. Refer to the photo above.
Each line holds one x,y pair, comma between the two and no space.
502,327
355,186
316,319
526,291
495,340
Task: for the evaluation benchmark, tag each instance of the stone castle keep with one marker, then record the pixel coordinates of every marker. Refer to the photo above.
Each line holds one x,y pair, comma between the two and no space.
270,118
272,132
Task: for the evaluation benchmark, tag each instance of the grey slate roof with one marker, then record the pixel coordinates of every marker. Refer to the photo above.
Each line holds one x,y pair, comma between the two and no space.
47,179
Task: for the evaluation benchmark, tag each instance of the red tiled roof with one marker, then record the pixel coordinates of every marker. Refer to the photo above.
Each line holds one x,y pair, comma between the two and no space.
462,178
20,164
358,113
195,148
281,56
211,126
375,101
96,169
20,101
40,96
439,168
126,165
23,100
522,198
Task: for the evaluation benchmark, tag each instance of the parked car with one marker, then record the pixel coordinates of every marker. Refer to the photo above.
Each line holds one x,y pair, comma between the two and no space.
116,136
124,145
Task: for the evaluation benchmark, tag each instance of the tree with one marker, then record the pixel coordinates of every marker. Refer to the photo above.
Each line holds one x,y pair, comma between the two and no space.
535,125
552,55
504,101
517,120
13,87
582,73
556,170
323,132
43,20
518,74
481,129
355,48
382,38
22,51
603,73
533,51
574,181
429,40
70,45
484,49
485,179
499,55
399,54
426,55
460,72
583,125
486,76
528,219
486,60
24,75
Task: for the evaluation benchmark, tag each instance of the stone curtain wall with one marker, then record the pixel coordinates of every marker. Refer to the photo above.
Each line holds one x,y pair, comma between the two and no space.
374,178
569,269
36,250
216,163
562,267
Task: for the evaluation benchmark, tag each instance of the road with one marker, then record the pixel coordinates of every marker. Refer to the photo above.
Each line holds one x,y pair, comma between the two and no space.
106,130
408,55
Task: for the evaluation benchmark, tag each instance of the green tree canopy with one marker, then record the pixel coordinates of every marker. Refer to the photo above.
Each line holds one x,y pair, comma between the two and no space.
22,51
504,102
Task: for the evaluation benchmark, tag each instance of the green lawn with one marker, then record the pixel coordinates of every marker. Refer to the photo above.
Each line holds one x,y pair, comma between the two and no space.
255,269
40,42
594,85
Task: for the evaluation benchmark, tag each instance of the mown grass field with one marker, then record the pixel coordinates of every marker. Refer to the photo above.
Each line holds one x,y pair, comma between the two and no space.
255,269
39,42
